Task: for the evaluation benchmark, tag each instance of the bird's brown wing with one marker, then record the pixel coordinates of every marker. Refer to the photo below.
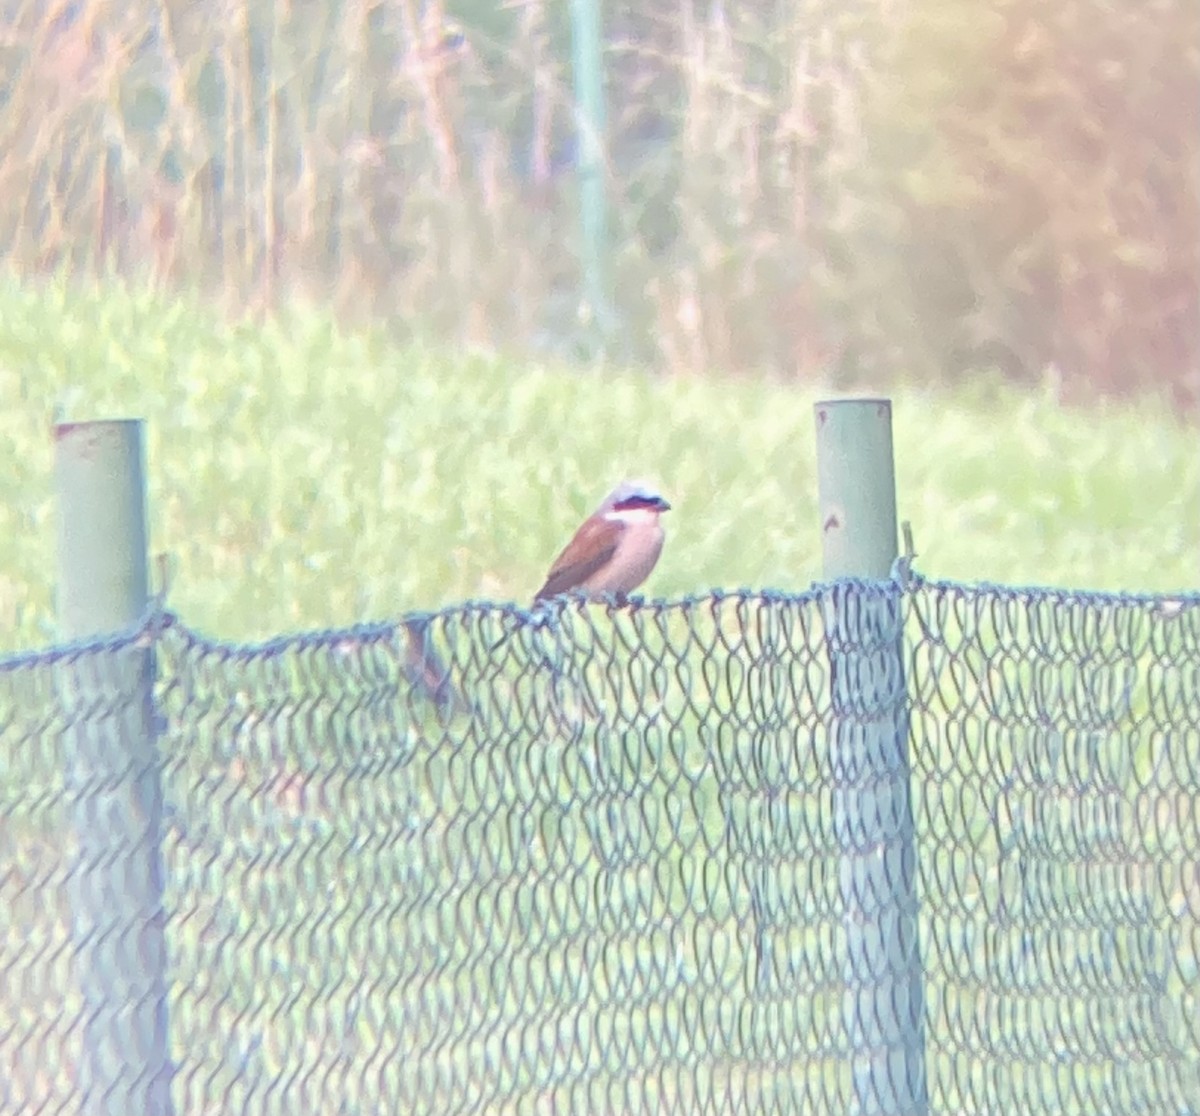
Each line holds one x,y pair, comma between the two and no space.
593,545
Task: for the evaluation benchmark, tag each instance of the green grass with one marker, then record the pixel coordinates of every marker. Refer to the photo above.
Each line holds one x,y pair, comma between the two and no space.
304,477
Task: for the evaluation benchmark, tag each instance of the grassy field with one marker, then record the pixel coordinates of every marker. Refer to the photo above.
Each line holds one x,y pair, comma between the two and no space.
615,876
305,477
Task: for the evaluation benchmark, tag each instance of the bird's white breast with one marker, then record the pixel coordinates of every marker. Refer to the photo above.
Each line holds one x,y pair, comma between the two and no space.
637,550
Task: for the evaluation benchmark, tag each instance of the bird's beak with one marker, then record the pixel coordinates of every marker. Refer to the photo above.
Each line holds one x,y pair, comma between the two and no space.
663,505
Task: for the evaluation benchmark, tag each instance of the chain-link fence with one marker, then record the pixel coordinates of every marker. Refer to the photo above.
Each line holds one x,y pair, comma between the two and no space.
597,860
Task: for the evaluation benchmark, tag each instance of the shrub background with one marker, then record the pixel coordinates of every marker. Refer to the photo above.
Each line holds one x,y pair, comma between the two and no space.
854,189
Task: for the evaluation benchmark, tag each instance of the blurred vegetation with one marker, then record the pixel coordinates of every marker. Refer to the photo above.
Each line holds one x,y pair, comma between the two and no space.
303,476
823,186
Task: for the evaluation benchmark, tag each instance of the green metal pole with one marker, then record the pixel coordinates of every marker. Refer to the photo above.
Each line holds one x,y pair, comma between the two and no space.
856,486
588,66
113,771
103,584
883,1002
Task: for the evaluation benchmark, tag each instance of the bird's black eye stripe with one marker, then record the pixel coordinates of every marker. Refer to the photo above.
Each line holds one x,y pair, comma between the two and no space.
632,503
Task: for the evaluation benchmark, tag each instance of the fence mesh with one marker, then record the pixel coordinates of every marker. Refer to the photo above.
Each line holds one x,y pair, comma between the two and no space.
595,860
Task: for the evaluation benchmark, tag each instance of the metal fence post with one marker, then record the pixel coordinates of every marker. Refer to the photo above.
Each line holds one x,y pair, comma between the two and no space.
883,1003
113,773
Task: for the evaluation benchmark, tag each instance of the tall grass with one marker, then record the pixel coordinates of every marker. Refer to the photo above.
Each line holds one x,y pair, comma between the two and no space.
304,475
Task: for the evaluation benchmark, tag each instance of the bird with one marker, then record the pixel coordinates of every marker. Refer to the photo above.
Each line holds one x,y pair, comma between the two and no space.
614,549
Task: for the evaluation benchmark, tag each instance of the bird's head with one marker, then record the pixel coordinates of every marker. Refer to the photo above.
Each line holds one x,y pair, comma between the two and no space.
634,500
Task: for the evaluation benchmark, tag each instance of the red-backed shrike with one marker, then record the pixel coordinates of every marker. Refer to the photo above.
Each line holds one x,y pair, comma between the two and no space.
616,547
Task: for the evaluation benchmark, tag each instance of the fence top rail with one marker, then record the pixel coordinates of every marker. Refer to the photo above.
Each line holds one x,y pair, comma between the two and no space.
158,620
